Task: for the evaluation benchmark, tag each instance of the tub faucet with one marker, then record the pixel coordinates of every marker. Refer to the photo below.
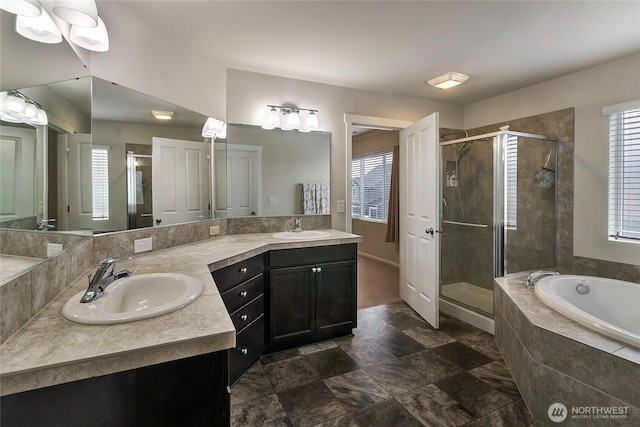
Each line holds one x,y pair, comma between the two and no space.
297,225
533,278
103,278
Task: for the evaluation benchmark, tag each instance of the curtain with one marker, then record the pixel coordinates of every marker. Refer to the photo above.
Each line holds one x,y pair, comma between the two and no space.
393,217
315,198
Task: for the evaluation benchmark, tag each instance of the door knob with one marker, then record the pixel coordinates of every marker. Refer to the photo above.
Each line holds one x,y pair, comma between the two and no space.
429,230
158,220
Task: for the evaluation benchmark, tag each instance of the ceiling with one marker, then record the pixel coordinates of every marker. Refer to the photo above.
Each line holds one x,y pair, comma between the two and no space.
396,46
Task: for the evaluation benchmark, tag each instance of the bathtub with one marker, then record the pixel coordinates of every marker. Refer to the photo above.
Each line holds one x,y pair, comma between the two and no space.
610,307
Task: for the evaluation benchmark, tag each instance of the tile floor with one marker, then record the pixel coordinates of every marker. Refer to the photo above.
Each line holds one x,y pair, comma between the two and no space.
394,371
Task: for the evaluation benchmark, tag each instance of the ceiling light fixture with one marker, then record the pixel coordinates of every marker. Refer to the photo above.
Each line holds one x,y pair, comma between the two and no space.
162,115
81,13
287,117
96,38
38,28
448,80
21,7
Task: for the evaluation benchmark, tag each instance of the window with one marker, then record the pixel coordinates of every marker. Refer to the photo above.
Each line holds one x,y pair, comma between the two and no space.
370,181
100,180
624,170
511,186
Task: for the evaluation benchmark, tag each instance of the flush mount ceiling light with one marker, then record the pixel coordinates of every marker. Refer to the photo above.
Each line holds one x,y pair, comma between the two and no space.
448,80
162,115
38,28
288,117
21,7
96,38
81,13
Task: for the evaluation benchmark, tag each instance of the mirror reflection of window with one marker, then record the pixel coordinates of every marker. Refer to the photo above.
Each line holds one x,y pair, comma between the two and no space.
100,179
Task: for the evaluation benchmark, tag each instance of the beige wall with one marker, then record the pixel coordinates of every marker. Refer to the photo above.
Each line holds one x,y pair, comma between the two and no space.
373,233
588,91
249,93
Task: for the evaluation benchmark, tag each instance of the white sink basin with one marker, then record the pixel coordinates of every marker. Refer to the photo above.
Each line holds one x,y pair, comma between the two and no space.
302,235
135,298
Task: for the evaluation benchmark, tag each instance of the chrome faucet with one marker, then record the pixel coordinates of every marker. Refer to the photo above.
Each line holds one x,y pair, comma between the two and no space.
103,278
43,225
297,225
534,277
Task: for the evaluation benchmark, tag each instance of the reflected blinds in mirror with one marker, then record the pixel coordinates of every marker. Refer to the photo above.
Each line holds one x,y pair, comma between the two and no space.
100,180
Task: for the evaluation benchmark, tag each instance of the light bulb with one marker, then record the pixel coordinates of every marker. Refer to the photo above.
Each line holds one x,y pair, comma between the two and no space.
15,104
273,119
95,39
312,121
40,118
292,121
38,28
30,110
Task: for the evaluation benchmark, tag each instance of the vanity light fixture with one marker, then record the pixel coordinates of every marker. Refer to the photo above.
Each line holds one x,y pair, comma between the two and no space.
21,7
162,115
17,108
448,80
287,117
80,13
214,128
38,28
95,39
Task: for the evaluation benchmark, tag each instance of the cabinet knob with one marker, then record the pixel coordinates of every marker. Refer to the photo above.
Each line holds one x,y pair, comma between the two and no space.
243,270
314,270
244,351
318,270
244,317
243,294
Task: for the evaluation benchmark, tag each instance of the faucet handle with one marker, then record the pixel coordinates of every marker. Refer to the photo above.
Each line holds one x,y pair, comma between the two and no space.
109,261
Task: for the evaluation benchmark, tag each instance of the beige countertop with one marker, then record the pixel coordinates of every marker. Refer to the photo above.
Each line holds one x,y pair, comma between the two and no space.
51,350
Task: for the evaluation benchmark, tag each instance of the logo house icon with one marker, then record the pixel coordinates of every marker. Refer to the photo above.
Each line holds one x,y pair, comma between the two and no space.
557,412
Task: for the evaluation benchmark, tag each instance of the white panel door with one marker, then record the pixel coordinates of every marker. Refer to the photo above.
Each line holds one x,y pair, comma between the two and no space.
180,180
419,218
80,182
17,172
244,175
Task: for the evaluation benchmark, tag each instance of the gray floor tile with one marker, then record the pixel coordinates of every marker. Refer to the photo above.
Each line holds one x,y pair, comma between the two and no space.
395,376
310,404
253,385
399,344
388,414
356,390
367,352
331,362
431,366
433,407
265,411
484,343
515,414
497,375
457,328
466,357
290,373
473,394
429,337
343,421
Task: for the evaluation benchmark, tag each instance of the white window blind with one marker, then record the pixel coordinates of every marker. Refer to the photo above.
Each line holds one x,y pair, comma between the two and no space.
624,170
370,181
100,180
511,183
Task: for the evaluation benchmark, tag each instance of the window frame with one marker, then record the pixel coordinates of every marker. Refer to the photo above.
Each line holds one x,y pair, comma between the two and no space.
386,153
624,137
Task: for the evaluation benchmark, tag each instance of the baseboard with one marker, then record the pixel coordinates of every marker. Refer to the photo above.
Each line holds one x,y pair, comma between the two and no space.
382,260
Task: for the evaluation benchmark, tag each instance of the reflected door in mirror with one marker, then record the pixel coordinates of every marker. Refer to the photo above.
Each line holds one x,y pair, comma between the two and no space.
244,185
180,181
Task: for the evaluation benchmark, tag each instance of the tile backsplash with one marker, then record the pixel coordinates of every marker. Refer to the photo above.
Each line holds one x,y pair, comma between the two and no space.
23,295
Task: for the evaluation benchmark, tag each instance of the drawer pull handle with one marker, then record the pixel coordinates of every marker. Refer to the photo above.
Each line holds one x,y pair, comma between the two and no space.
243,294
244,351
243,270
244,317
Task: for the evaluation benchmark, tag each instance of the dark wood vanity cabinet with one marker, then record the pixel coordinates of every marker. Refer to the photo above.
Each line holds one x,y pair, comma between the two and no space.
241,286
312,295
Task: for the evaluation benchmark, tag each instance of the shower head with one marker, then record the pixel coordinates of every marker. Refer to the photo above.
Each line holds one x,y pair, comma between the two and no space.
464,150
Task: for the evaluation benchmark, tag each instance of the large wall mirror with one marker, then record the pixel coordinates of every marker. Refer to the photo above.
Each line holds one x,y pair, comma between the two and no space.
275,172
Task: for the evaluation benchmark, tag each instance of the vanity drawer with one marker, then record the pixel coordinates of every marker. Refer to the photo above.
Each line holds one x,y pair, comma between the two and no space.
249,347
313,255
248,313
230,276
236,297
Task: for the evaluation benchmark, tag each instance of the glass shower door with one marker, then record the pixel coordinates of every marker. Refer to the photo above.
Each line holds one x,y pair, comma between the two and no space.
467,242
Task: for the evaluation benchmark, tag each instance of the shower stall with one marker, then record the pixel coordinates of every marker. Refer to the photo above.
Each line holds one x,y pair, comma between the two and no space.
498,216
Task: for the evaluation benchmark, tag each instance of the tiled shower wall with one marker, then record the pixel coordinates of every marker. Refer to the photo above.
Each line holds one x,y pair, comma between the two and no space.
560,124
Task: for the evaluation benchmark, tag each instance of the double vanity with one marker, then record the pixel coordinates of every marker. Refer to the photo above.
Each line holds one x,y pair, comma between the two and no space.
260,294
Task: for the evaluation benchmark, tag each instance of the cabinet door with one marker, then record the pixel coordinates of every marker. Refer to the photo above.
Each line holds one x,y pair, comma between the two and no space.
292,310
335,292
